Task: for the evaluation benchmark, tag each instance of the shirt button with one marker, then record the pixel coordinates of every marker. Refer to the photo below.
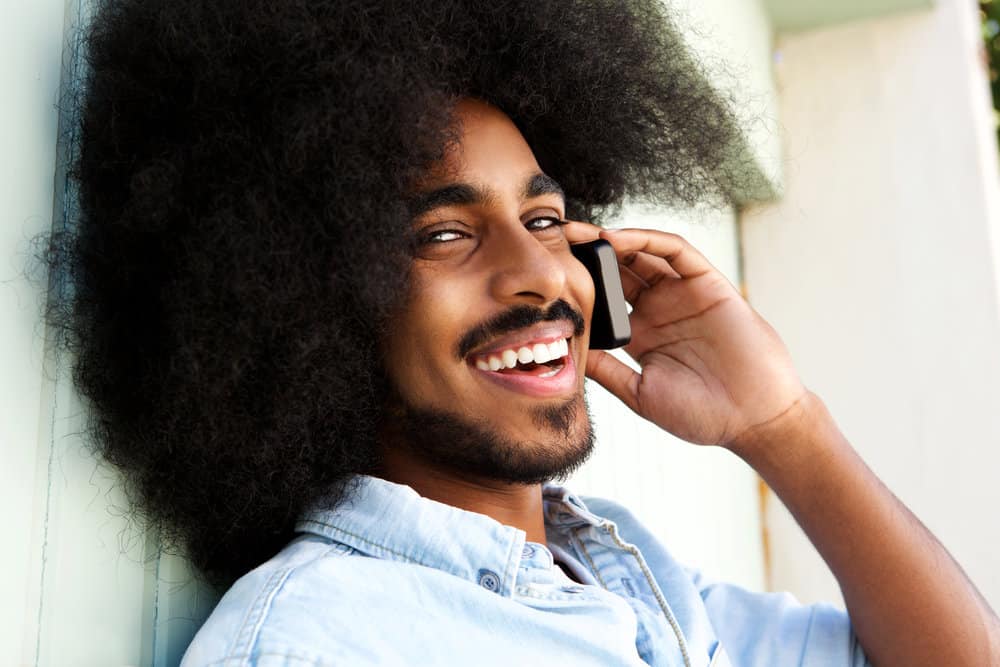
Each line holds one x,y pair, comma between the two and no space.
528,551
489,580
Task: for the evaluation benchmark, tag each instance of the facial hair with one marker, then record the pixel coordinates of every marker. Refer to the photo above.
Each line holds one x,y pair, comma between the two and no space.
474,448
471,446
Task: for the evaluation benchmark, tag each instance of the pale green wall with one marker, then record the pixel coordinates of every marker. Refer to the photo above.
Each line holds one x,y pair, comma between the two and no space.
792,15
733,42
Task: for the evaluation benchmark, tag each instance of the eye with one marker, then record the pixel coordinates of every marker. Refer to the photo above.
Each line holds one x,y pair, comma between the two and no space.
545,223
441,236
441,240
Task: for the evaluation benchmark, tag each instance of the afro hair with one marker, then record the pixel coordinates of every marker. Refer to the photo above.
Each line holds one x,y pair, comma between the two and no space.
242,171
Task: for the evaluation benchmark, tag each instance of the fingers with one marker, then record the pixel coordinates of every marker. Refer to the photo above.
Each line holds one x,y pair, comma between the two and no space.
614,376
578,232
650,268
634,245
645,256
632,284
581,232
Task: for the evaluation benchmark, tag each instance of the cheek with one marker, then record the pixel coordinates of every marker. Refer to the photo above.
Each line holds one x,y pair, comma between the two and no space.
424,335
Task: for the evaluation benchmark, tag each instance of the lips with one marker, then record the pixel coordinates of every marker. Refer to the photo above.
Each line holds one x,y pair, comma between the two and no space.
535,362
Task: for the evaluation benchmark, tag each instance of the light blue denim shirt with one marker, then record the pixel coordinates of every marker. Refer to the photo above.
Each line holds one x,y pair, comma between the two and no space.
391,578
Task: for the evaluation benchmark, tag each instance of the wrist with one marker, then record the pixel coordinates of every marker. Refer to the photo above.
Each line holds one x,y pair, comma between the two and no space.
781,439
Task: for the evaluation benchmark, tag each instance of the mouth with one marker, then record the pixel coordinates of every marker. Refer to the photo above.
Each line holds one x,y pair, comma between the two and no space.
539,359
540,367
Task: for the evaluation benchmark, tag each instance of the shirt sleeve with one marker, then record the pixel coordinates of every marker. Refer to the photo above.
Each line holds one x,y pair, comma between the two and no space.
775,629
756,629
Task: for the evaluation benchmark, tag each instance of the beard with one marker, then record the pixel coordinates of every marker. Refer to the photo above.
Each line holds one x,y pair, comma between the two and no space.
473,447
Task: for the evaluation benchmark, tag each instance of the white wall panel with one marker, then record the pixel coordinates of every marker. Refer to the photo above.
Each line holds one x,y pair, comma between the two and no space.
32,37
879,268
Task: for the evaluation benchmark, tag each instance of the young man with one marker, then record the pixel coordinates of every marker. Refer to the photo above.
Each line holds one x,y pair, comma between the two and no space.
325,296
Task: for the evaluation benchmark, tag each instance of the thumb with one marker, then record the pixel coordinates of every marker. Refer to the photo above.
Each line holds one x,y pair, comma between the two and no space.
615,376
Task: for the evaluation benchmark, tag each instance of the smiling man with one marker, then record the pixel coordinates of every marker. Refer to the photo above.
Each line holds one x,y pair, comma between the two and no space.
332,332
495,316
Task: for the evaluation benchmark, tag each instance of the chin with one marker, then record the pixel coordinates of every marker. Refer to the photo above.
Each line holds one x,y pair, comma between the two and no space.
560,442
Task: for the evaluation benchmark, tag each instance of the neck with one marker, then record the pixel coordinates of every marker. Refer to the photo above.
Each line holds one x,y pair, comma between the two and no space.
517,505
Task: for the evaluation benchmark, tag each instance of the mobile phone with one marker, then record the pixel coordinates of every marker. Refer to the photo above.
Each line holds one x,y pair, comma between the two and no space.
609,327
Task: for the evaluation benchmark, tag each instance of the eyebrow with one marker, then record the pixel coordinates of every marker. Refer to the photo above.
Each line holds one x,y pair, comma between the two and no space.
542,184
463,194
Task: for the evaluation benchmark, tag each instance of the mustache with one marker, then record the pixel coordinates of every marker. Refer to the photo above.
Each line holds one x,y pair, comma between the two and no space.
516,318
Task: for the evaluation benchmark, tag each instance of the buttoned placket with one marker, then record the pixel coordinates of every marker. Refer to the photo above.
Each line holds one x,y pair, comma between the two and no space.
581,527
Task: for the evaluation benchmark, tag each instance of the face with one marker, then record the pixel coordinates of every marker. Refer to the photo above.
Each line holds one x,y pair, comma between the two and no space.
487,355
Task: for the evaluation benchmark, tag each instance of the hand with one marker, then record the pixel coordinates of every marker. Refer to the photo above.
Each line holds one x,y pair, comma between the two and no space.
712,368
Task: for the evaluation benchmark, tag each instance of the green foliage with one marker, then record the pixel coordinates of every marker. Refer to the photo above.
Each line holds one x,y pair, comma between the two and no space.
989,14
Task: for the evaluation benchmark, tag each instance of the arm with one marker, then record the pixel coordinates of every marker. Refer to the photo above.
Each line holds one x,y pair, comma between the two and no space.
909,602
715,373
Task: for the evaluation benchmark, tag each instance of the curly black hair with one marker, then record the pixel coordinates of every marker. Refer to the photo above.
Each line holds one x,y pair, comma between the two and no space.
241,238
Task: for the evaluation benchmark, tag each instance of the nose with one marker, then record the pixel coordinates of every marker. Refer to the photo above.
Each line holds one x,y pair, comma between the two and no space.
523,269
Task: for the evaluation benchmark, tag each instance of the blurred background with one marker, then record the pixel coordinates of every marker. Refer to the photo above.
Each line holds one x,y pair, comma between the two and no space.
870,242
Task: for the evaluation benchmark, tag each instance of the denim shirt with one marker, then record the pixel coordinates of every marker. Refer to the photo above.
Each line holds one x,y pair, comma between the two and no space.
391,578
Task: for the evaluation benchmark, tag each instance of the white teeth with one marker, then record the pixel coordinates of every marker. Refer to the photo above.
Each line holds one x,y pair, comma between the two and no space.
541,353
548,374
538,353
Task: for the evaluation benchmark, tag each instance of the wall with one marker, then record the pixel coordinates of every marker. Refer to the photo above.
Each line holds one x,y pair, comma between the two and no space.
733,41
32,35
791,15
879,269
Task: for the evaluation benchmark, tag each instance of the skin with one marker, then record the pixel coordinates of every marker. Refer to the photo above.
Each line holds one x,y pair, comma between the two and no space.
475,261
713,373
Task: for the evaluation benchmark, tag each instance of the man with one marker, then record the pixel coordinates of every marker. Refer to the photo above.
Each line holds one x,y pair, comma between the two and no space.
325,294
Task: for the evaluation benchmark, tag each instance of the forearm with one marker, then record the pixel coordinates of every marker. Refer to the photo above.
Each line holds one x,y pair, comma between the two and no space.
909,602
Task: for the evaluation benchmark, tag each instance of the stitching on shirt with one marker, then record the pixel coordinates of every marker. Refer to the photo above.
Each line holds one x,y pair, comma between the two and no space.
586,554
254,620
314,662
365,540
256,610
612,530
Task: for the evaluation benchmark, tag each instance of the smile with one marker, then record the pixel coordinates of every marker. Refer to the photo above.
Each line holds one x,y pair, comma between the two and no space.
540,368
526,358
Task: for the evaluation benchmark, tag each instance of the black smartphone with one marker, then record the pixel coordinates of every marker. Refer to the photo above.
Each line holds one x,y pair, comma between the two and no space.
609,327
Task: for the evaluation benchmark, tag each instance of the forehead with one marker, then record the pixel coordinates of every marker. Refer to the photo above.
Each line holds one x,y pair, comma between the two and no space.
490,159
487,142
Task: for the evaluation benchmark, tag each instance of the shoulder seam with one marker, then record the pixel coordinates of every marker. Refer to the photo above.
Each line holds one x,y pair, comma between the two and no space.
249,631
299,659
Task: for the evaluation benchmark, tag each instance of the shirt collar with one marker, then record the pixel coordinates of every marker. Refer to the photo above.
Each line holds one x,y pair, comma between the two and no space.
564,509
392,521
